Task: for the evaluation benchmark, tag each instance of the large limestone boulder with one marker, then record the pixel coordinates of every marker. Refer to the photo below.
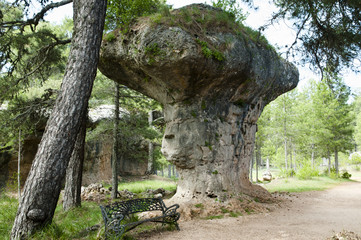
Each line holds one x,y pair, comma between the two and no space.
213,80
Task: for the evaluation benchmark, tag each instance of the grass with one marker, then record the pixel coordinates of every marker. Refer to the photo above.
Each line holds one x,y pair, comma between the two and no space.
72,224
8,208
66,225
296,185
142,186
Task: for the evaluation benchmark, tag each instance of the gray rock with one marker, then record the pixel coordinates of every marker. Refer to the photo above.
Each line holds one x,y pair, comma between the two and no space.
211,107
267,176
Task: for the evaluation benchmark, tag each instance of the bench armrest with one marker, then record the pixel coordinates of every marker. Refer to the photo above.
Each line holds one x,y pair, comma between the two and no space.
171,210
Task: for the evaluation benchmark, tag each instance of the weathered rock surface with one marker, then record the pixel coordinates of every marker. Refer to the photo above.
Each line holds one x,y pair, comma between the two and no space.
211,106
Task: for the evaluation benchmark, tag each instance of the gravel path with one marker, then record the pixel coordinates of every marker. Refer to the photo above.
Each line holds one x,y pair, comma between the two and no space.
310,215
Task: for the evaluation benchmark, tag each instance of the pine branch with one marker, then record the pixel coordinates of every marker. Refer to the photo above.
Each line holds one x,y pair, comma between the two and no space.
36,19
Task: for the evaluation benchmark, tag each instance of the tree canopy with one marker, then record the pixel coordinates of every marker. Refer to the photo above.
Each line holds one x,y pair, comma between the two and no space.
329,32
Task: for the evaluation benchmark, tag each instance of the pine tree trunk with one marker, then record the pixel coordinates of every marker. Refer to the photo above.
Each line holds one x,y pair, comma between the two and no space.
115,158
329,163
43,185
285,131
286,162
251,169
74,172
151,146
19,161
336,161
169,171
313,155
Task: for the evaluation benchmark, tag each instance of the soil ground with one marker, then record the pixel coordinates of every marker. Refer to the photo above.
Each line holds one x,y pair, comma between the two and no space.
309,215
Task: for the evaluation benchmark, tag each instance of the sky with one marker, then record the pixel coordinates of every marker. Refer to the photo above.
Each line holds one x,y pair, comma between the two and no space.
280,35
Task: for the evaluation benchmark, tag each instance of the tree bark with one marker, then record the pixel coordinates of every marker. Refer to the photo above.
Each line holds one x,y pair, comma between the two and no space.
150,146
285,130
19,160
43,185
74,171
329,163
115,158
336,161
313,155
251,169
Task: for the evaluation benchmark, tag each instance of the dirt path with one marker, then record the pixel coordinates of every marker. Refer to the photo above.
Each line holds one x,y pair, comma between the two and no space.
310,215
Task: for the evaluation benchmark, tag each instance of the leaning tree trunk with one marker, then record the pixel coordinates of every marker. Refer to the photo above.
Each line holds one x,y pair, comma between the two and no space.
74,171
43,185
115,157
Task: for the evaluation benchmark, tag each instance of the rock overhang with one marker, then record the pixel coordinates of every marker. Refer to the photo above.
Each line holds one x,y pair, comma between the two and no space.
170,63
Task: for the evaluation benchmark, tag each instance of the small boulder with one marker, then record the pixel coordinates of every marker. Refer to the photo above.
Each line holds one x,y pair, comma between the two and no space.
267,176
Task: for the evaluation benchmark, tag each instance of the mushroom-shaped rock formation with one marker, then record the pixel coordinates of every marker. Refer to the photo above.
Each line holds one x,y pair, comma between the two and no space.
213,80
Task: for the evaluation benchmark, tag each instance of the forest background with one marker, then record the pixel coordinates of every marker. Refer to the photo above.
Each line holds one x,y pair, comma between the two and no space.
315,127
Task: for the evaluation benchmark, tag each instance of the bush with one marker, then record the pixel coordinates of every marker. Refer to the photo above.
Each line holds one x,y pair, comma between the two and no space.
307,172
285,173
332,174
345,174
355,158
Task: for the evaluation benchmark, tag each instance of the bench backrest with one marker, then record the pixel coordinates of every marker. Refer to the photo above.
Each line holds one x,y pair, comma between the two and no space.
134,206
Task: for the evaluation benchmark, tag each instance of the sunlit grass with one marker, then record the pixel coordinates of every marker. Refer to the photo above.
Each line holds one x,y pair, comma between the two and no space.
8,208
296,185
142,186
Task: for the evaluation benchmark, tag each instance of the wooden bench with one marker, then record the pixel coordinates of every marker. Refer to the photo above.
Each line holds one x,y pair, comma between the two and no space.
116,216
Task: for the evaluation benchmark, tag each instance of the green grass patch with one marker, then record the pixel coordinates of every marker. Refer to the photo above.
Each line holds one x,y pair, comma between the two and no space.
297,185
214,217
235,214
65,225
8,208
199,205
142,186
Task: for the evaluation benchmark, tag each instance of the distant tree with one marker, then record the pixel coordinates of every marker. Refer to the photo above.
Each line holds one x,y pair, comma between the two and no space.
336,121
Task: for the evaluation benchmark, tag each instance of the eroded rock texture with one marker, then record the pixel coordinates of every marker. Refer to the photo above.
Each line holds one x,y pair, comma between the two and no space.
211,103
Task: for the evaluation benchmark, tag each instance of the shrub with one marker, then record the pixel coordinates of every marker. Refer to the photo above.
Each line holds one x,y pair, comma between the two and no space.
307,172
285,173
332,174
345,174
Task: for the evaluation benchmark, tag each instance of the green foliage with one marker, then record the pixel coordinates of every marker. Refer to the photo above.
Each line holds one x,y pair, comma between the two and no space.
355,158
152,51
121,13
285,173
199,205
26,115
232,8
214,217
346,175
29,57
310,124
208,53
307,172
65,225
8,207
142,186
109,37
325,45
